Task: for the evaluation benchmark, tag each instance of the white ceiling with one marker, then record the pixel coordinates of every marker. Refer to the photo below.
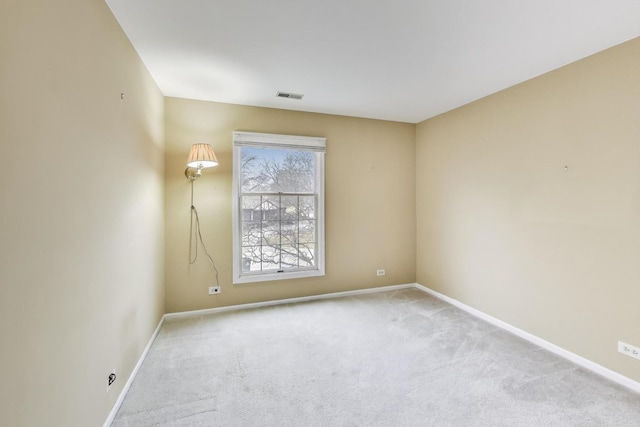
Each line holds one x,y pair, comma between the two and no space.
402,60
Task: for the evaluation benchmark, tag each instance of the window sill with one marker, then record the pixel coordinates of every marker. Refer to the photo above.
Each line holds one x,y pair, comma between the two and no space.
277,276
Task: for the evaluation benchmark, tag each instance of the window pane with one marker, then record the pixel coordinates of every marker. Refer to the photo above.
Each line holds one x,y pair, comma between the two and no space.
274,170
251,234
271,233
307,207
289,207
251,208
289,257
270,208
270,257
306,255
307,232
289,234
251,256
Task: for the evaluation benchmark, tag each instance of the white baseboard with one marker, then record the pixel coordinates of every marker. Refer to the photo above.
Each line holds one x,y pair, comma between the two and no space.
578,360
206,311
126,387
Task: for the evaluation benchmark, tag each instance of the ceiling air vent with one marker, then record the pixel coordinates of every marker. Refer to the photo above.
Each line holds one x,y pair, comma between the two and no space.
289,95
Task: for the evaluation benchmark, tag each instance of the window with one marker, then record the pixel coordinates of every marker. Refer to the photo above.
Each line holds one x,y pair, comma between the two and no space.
278,208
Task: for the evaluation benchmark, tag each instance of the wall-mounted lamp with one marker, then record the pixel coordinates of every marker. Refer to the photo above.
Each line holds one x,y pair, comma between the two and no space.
201,156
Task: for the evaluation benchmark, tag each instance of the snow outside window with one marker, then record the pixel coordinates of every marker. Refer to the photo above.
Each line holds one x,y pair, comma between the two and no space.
278,216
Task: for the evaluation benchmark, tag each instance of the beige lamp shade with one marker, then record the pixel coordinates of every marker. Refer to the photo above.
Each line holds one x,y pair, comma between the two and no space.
201,156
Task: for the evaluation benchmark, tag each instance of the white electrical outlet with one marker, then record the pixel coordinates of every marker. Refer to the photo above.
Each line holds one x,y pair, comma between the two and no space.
214,290
380,272
629,350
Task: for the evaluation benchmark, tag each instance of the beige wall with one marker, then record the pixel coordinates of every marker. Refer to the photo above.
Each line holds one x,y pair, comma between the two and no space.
81,228
370,202
502,227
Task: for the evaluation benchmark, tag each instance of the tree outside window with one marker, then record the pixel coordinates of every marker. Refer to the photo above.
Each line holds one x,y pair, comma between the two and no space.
278,211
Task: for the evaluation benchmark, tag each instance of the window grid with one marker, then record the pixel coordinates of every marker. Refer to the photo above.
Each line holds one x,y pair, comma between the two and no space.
279,218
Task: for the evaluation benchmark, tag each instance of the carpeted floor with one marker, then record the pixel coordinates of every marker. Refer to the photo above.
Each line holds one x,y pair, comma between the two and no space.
400,358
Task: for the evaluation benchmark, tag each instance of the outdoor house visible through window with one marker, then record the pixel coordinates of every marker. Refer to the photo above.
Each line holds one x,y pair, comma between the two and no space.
278,209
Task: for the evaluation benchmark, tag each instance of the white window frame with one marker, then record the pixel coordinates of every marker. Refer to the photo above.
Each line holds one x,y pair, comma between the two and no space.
290,142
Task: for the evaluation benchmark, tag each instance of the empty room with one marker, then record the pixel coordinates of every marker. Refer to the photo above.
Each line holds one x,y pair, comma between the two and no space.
339,213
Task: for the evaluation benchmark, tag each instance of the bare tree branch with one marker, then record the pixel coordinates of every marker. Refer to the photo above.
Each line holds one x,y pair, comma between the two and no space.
292,243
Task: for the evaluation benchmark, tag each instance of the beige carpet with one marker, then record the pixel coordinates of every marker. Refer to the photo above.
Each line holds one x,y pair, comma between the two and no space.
399,358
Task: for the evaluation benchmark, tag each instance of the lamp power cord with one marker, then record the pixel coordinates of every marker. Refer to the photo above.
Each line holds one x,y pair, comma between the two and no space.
193,249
